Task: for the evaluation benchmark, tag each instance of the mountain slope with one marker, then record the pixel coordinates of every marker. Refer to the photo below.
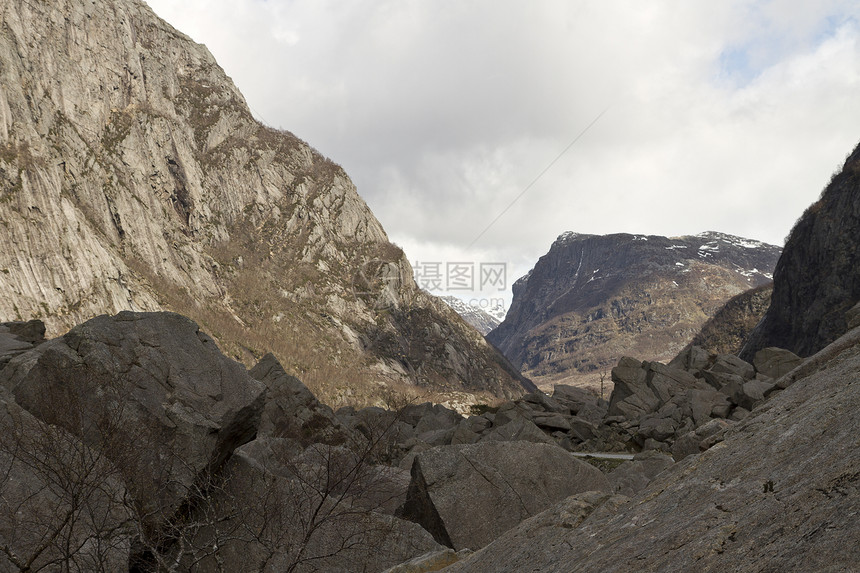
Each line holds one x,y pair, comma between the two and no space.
817,278
592,299
729,328
479,318
133,176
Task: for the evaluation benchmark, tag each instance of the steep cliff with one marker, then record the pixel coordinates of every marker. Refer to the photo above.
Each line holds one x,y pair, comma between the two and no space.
592,299
133,176
817,278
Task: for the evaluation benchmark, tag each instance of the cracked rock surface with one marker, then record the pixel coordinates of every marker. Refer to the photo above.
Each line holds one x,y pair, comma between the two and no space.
153,391
780,493
467,495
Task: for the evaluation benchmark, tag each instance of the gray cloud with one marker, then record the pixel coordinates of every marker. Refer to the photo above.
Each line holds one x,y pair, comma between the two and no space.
722,116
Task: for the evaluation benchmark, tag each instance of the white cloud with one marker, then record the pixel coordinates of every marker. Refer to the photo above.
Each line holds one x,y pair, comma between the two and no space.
722,116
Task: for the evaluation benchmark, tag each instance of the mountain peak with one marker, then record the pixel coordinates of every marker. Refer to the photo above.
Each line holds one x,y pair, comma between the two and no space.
593,298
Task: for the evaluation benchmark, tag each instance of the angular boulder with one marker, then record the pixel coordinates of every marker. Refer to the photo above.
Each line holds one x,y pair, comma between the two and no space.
775,362
61,502
19,337
150,390
634,475
292,411
466,496
731,364
631,397
315,519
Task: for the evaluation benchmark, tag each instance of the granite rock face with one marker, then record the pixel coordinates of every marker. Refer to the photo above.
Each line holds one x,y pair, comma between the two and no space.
592,299
817,278
134,177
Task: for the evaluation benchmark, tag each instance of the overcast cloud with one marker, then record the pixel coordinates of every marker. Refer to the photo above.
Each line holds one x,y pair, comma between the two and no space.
727,116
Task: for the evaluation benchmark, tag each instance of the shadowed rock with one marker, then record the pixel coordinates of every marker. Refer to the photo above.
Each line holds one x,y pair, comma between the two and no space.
466,496
153,391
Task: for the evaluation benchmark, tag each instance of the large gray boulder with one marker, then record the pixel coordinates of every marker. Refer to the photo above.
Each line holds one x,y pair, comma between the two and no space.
307,514
19,337
642,388
468,495
524,547
634,475
731,364
775,362
154,393
519,429
62,504
693,359
581,402
631,397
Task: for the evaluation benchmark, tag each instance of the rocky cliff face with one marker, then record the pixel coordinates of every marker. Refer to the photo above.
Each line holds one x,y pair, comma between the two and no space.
133,176
592,299
817,278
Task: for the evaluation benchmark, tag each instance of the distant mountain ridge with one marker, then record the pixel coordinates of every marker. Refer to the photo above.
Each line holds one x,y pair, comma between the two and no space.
484,320
593,298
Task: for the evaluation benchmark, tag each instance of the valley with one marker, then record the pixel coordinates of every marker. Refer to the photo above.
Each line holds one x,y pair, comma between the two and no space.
212,358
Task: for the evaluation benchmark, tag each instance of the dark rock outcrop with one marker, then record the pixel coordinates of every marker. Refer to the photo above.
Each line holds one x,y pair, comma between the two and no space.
468,495
292,411
303,513
19,337
61,501
817,278
592,299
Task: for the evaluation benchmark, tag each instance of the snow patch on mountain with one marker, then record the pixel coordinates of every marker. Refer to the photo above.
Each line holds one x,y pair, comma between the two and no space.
480,313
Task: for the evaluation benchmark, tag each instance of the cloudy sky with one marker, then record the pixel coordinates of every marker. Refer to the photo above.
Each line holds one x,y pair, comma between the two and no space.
480,130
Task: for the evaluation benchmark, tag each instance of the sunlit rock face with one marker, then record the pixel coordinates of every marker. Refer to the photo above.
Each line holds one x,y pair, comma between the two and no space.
134,177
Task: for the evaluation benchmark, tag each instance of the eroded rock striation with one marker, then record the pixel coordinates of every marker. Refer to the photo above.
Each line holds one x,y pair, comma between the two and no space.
134,177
